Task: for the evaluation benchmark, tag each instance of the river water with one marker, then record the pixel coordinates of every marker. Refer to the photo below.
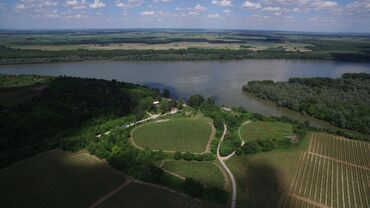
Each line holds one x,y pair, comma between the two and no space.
221,80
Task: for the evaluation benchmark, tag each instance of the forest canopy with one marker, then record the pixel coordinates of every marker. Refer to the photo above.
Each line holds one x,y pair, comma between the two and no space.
344,102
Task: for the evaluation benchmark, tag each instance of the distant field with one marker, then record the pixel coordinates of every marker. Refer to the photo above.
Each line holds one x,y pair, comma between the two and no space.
333,173
205,172
11,81
57,179
265,130
144,196
254,46
181,134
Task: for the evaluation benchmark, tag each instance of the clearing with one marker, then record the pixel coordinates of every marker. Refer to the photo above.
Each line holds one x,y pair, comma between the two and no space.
208,173
180,134
265,130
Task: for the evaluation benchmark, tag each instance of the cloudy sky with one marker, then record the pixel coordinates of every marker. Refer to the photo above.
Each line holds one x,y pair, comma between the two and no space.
292,15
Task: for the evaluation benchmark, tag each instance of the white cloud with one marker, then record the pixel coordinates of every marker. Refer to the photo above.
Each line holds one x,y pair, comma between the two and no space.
147,13
164,1
75,4
325,4
251,5
271,9
214,16
97,4
129,4
198,9
19,7
227,11
223,3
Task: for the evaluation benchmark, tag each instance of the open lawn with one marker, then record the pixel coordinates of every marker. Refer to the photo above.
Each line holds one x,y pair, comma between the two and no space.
181,134
205,172
141,195
263,179
57,179
265,130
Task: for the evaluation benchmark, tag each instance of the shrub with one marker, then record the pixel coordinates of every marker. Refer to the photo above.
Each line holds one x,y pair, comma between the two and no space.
187,156
177,155
251,147
266,145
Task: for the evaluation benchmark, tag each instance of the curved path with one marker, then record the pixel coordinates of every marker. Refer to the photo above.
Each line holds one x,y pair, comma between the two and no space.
240,135
221,159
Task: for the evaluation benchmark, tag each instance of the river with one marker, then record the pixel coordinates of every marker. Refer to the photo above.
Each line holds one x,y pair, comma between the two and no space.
221,80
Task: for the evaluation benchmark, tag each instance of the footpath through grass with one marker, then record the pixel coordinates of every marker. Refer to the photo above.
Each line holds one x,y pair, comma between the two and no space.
205,172
180,134
263,178
265,130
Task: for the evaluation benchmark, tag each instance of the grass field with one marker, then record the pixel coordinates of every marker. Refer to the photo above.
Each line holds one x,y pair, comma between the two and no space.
265,130
140,195
181,134
263,178
205,172
333,173
57,179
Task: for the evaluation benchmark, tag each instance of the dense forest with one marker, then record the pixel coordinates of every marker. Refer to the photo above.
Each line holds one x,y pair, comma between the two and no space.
21,56
344,102
60,110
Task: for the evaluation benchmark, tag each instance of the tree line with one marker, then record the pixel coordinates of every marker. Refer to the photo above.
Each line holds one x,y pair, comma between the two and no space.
344,102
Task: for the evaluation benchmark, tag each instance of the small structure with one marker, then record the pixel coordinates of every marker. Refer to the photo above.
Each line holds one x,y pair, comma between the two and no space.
226,109
156,102
173,110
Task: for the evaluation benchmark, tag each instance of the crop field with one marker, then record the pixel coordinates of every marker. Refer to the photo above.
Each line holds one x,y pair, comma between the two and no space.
335,172
263,178
141,195
265,130
181,134
57,179
205,172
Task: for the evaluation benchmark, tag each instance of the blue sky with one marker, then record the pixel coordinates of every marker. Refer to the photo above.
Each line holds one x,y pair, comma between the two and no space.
291,15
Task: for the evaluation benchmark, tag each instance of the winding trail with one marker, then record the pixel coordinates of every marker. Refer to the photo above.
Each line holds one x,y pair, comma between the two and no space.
221,159
240,135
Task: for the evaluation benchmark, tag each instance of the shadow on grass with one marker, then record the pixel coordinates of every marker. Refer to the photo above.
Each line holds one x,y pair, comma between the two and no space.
261,187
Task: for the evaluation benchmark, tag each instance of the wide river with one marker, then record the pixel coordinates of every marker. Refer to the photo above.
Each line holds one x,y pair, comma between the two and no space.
221,80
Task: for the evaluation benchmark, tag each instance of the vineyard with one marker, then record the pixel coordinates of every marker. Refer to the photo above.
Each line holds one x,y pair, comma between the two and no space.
335,172
57,179
140,195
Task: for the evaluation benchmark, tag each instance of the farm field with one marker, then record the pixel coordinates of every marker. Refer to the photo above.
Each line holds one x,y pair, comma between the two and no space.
140,195
180,134
57,179
265,130
333,173
263,178
205,172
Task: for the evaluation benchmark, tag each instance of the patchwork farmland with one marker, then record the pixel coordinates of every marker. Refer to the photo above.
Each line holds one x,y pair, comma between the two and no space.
59,179
150,196
335,172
